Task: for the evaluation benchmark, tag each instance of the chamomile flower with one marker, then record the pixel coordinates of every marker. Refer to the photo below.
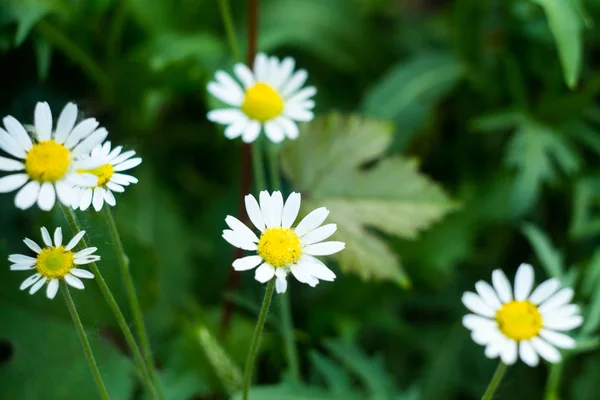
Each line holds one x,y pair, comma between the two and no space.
109,177
271,96
280,248
522,323
54,263
50,158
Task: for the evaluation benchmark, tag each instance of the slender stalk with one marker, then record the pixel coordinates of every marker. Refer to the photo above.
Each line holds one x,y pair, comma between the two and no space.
134,303
284,298
262,317
260,181
495,382
225,9
76,54
87,349
112,303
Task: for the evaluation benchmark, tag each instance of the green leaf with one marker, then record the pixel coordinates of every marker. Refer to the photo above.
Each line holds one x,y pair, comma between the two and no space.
43,52
410,90
289,392
564,19
391,196
229,373
48,361
535,151
551,259
337,379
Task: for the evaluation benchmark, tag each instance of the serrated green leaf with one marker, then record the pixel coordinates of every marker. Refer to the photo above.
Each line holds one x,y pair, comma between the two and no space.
408,92
564,19
391,196
551,259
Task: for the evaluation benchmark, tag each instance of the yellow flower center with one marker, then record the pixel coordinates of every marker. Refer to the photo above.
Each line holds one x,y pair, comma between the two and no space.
54,262
279,247
519,320
262,102
47,161
104,173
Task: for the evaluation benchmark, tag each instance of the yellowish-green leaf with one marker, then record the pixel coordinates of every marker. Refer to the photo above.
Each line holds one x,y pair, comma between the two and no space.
327,164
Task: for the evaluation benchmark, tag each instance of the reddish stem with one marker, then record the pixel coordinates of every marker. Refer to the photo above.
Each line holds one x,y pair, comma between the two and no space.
233,281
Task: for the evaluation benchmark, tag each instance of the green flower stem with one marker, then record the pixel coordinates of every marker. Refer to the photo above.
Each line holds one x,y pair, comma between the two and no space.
112,303
225,9
84,341
260,182
134,303
495,382
284,298
262,317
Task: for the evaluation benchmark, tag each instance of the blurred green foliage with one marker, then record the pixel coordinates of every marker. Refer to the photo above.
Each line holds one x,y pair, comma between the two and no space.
455,135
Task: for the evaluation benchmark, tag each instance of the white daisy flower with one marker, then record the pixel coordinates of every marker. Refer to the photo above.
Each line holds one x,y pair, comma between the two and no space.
271,96
50,158
54,263
109,178
280,248
527,325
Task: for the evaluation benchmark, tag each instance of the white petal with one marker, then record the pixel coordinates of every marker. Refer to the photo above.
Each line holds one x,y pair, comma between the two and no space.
75,241
475,322
46,236
298,113
226,116
12,182
85,252
109,198
85,260
303,95
254,212
30,281
90,142
290,210
285,70
65,192
251,132
22,267
302,275
244,75
264,273
545,350
265,208
18,133
74,281
98,200
312,221
544,290
28,195
324,248
229,84
502,286
294,83
81,131
86,199
238,241
47,196
528,355
236,129
129,164
319,271
564,324
227,96
43,121
37,286
241,229
565,311
66,122
124,179
523,282
509,352
488,295
558,339
281,282
52,288
476,305
561,298
272,71
276,208
274,132
319,234
114,187
290,128
8,164
261,67
122,157
58,237
10,145
21,259
246,263
81,273
33,245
